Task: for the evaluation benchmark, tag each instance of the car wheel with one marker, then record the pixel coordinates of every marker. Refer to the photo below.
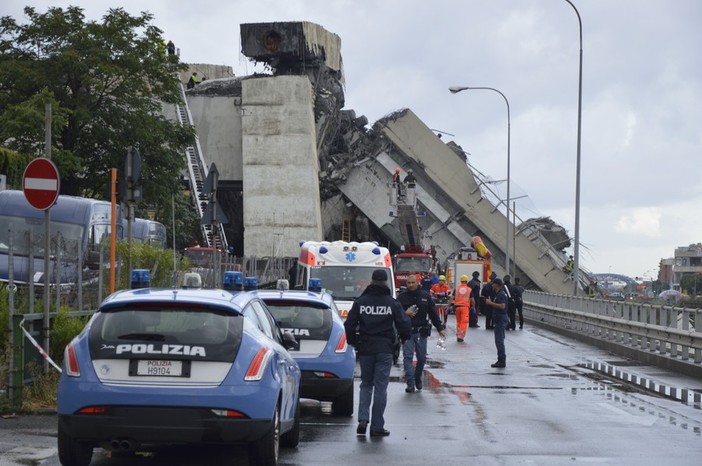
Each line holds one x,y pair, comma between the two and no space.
264,451
343,406
291,438
72,452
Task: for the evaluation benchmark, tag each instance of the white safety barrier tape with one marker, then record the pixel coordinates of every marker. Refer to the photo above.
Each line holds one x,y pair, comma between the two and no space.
39,348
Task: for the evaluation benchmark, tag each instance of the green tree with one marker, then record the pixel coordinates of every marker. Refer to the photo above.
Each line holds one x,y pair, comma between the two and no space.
12,165
691,284
108,82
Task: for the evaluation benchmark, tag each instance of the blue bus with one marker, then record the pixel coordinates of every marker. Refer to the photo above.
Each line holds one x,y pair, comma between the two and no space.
77,224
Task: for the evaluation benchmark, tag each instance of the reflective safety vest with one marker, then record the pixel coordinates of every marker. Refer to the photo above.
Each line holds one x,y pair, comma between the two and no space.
462,295
439,288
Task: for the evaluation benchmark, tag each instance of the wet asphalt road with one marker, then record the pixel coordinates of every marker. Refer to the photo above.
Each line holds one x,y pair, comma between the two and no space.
545,408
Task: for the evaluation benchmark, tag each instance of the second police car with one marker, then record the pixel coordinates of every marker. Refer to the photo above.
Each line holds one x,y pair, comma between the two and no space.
327,362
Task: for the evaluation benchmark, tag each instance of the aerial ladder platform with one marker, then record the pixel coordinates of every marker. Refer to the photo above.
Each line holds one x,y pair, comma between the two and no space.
403,198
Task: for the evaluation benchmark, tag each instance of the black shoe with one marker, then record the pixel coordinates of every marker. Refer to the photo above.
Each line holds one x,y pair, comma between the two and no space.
418,385
409,389
380,433
361,429
490,327
460,340
499,364
521,327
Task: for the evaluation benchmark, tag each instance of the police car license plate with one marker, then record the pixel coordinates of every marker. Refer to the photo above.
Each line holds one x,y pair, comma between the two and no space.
160,368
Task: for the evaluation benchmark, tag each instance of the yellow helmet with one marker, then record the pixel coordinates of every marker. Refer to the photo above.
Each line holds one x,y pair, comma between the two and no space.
464,278
442,277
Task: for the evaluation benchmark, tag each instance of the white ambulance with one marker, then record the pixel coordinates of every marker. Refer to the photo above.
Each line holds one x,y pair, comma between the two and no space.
343,269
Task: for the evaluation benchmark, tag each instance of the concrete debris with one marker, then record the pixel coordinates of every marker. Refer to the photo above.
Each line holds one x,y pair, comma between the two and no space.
555,234
292,47
223,87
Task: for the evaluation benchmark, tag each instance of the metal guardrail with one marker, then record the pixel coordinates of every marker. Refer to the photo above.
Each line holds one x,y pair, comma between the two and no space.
671,332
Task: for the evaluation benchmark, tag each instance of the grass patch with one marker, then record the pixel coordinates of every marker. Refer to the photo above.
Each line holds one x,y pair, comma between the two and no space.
40,395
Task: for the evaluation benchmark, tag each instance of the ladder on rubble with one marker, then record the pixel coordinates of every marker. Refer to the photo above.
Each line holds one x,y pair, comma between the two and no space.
346,229
197,174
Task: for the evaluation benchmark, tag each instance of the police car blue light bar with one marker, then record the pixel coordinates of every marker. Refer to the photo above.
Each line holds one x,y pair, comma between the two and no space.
232,280
315,284
140,278
250,283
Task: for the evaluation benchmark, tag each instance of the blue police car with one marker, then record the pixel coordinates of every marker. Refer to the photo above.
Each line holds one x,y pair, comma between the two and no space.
178,366
325,359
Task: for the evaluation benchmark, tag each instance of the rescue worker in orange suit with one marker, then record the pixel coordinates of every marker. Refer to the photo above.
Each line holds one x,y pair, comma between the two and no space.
441,293
462,302
396,177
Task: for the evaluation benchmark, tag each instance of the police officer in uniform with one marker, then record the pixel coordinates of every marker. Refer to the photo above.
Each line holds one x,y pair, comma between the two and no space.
370,327
499,307
488,293
474,285
517,294
419,306
511,304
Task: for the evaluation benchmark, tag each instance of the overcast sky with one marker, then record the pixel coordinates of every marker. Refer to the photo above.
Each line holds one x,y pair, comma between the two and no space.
641,188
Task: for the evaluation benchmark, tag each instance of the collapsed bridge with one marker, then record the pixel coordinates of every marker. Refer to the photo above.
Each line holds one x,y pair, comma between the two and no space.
294,165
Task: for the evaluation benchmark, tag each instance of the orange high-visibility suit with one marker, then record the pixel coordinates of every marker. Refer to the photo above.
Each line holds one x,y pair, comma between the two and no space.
441,292
462,306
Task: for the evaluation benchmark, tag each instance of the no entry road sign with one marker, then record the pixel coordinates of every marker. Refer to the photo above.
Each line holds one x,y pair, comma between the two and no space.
41,183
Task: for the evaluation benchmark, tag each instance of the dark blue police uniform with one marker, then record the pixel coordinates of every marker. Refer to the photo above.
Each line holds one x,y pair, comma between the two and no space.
485,293
421,329
501,321
370,327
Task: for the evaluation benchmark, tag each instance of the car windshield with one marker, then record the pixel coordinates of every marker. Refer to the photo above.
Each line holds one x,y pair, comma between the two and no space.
200,257
345,283
69,233
193,327
296,315
304,320
413,264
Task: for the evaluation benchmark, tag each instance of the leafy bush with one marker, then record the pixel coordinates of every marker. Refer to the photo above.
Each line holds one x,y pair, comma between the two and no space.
64,328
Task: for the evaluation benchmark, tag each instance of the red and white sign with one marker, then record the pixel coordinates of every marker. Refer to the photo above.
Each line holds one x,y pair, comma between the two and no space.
41,183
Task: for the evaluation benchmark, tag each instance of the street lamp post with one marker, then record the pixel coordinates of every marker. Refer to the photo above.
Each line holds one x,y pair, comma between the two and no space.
456,89
576,249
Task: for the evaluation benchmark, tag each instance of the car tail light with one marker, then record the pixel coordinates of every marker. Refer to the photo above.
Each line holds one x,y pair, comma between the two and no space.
258,364
93,410
71,361
325,375
228,413
341,345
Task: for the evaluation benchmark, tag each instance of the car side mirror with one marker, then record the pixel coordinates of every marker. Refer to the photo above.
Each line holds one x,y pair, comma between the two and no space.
289,341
